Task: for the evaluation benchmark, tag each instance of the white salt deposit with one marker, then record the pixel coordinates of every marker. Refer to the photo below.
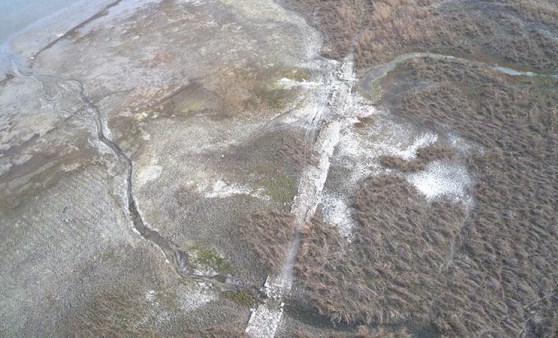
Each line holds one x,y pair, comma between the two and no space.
188,299
150,295
220,189
286,83
264,321
359,150
195,297
149,173
512,72
441,179
385,137
336,212
191,2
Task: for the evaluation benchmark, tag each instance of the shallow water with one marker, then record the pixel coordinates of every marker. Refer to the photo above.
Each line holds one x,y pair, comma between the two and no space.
28,25
15,15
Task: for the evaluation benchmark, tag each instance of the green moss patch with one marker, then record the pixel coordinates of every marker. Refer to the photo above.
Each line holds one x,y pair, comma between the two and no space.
204,258
240,297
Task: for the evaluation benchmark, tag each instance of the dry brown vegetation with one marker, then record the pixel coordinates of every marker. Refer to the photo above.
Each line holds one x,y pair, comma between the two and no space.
361,332
510,241
292,153
398,163
218,332
517,31
435,152
490,272
425,155
392,269
487,272
269,234
115,313
365,332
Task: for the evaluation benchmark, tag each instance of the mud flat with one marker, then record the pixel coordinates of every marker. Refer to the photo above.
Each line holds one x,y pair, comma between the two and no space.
124,174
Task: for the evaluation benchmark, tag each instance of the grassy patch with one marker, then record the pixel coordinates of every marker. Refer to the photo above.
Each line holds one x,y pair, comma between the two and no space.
267,91
375,93
281,188
206,257
275,98
240,297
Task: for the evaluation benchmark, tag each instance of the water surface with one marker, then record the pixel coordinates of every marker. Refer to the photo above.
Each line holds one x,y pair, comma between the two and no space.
15,15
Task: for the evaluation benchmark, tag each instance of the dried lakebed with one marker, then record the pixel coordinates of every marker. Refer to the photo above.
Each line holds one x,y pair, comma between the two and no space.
175,127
